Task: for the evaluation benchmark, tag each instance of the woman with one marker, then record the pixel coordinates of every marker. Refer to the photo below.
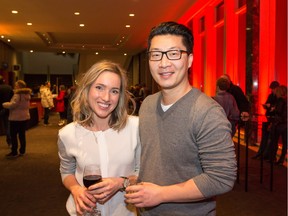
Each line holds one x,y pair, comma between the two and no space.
18,117
60,105
104,134
46,101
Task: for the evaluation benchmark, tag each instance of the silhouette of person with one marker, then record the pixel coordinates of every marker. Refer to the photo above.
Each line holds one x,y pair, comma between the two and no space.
269,106
6,93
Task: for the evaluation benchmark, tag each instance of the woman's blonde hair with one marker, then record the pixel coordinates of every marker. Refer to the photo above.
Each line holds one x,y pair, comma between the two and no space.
21,83
82,113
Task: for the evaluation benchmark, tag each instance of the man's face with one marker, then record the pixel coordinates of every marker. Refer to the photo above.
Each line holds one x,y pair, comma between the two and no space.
169,73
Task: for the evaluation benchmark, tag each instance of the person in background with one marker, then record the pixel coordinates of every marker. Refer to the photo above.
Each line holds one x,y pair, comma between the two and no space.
69,97
6,93
243,106
60,105
241,100
227,101
269,106
144,92
54,89
187,153
18,117
46,101
278,128
102,133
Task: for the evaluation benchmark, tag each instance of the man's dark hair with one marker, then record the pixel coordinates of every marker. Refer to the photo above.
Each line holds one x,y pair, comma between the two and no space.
223,84
274,85
173,28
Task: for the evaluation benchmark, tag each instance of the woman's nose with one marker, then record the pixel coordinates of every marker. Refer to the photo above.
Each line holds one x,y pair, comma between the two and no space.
105,95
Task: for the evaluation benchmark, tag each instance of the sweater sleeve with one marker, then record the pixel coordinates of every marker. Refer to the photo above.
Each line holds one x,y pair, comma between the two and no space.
216,149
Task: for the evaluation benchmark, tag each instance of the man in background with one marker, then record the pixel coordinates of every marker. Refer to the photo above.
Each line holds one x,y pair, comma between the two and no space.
6,93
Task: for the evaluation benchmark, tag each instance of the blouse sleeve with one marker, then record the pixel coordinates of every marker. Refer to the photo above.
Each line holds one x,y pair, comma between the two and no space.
67,163
137,156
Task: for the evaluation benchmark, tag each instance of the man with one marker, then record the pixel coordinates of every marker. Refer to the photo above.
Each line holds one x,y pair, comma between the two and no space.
243,106
6,93
187,151
228,102
241,100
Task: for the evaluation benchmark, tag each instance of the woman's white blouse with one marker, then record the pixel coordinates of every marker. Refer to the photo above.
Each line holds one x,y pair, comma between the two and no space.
118,154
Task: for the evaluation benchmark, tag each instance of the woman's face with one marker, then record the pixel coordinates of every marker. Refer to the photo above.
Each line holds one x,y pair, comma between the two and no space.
104,94
16,86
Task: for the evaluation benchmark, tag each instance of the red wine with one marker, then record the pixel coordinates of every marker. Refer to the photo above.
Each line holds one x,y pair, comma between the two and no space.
91,179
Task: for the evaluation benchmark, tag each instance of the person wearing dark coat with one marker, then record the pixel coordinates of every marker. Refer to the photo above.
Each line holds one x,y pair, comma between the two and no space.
241,100
269,107
6,93
278,128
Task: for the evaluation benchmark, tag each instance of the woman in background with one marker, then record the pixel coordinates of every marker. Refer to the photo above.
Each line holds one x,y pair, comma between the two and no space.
18,117
60,105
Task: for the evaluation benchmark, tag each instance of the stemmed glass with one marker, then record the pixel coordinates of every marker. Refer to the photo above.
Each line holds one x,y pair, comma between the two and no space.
92,175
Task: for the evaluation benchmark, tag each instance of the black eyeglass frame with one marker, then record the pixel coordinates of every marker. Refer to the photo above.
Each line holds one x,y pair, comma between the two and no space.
162,53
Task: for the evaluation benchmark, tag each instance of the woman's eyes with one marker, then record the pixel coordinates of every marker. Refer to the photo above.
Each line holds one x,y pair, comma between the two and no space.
113,91
99,87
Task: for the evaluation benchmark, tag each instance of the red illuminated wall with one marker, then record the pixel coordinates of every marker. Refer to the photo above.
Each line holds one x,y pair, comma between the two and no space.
219,29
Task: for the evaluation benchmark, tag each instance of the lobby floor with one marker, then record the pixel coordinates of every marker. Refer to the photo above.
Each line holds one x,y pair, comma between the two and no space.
31,185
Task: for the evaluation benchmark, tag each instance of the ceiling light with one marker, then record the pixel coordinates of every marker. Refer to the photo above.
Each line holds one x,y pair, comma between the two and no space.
31,51
125,54
14,11
96,53
81,25
8,40
2,36
131,15
76,13
29,24
127,26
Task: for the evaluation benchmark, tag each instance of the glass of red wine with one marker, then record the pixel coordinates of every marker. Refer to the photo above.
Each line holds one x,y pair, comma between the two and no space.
92,175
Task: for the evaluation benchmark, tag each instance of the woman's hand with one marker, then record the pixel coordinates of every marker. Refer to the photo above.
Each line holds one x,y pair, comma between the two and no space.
105,189
84,201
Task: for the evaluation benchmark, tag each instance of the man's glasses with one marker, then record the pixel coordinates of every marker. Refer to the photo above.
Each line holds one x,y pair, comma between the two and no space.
171,55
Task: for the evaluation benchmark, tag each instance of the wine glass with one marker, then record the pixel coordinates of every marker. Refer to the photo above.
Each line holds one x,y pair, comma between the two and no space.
92,175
